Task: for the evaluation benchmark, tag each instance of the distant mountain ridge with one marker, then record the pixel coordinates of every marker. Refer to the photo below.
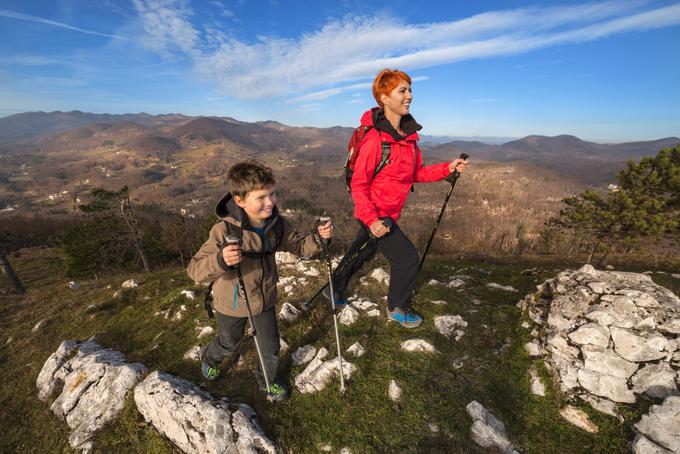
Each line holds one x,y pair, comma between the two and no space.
37,132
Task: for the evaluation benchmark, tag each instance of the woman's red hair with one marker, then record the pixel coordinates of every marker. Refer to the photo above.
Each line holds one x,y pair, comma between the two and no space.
386,81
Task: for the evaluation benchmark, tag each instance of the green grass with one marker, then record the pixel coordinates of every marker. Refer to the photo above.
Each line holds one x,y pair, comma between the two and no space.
364,419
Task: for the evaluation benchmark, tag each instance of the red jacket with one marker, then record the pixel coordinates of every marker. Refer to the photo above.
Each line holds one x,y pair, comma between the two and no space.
386,194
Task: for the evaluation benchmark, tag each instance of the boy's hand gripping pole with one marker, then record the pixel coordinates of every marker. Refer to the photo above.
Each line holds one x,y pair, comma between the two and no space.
323,220
231,240
452,178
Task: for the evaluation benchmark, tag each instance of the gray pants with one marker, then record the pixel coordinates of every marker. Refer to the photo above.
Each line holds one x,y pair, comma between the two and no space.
231,333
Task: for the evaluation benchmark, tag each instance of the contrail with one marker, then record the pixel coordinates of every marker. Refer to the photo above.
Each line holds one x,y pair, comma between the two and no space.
40,20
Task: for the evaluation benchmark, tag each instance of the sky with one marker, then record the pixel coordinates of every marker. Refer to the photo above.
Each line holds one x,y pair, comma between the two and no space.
607,71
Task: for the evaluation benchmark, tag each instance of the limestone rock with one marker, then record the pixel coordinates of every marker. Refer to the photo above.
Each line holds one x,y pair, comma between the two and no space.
37,326
605,361
455,283
487,430
381,276
609,386
348,315
632,347
433,282
507,288
288,312
130,283
439,302
285,258
591,333
642,445
662,424
537,386
194,421
394,391
655,380
188,294
204,330
303,355
447,325
356,349
578,418
318,373
94,384
193,354
417,345
73,285
533,349
373,313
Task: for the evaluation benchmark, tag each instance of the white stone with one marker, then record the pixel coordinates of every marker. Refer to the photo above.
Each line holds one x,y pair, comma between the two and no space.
439,302
394,391
537,386
285,258
507,288
94,385
454,283
417,345
433,282
196,422
599,287
363,304
447,324
73,285
637,348
318,373
609,386
487,430
204,330
303,355
642,445
381,276
45,383
193,354
578,418
130,283
662,424
356,349
188,294
313,272
605,361
373,313
526,325
602,405
591,333
655,380
348,315
288,312
459,362
37,326
283,345
533,349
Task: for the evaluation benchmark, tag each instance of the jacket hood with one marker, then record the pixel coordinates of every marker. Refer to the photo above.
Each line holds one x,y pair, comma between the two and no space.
376,118
226,208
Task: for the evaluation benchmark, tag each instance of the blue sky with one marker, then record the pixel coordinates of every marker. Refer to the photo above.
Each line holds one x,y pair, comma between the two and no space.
602,70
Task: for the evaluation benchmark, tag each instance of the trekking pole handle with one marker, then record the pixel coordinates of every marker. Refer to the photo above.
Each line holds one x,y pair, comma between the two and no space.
455,174
321,220
234,240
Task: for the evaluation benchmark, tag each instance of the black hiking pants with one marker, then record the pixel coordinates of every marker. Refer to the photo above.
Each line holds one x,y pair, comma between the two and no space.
231,330
399,252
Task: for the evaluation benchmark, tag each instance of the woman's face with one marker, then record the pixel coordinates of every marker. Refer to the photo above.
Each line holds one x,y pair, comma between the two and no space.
399,99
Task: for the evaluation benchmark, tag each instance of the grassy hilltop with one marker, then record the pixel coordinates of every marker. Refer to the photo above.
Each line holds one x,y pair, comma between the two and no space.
430,417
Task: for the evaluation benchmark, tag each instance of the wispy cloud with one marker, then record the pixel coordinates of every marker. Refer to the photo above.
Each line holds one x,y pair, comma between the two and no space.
42,20
29,60
343,52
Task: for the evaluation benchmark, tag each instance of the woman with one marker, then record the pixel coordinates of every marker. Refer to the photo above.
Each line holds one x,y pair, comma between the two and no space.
379,197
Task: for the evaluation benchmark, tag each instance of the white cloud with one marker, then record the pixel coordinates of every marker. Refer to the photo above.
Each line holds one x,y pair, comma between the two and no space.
41,20
333,59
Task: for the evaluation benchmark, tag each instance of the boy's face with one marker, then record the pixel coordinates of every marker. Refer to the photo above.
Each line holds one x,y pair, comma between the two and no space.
258,204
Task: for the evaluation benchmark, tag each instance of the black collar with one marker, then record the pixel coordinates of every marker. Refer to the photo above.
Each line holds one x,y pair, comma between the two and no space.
408,125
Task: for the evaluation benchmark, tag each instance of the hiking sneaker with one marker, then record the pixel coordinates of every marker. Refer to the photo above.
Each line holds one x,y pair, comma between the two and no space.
209,372
278,392
339,300
404,317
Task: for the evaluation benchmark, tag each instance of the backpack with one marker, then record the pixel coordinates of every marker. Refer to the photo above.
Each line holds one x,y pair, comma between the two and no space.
353,148
278,231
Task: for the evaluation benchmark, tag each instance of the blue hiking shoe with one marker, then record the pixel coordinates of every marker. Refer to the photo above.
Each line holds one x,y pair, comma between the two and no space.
340,302
404,317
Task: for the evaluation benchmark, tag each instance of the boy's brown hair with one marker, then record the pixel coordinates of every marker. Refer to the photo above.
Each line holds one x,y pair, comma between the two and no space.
247,176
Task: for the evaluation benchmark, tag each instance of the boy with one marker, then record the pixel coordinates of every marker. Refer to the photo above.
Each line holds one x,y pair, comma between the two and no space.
248,212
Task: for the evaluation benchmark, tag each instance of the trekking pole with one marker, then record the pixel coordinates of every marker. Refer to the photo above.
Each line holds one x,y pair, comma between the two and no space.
326,242
453,177
231,240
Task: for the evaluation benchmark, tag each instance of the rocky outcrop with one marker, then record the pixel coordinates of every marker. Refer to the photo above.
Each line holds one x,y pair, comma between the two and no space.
94,383
196,422
659,430
318,372
607,336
